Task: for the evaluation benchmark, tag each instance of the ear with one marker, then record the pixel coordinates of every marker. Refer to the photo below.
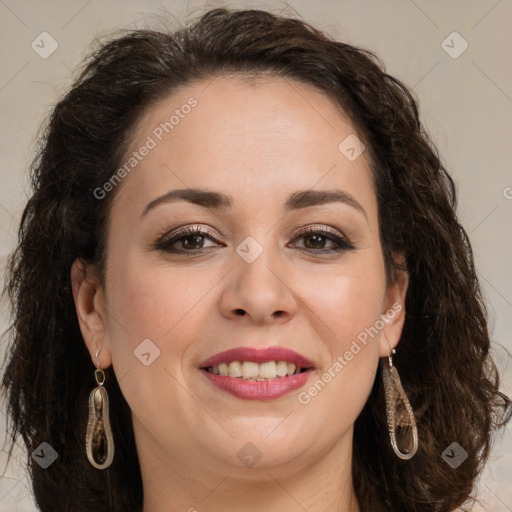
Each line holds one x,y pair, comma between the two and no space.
394,310
89,301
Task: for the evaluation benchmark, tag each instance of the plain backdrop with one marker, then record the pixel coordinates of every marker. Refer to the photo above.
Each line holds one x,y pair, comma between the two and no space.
455,55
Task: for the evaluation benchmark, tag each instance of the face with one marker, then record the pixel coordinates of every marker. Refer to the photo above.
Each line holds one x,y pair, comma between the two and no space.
273,264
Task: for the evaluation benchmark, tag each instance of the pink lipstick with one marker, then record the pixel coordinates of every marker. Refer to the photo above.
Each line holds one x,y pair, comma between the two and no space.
257,374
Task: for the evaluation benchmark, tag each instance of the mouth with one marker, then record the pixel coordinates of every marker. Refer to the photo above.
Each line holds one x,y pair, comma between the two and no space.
251,370
258,374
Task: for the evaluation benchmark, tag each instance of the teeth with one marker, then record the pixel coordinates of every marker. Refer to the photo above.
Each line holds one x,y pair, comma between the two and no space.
235,369
249,370
223,369
268,370
282,368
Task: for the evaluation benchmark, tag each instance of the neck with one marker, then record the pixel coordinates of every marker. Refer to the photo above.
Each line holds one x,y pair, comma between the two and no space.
323,485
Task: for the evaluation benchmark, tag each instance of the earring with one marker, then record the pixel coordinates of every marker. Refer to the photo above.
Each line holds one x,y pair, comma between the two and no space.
400,416
98,439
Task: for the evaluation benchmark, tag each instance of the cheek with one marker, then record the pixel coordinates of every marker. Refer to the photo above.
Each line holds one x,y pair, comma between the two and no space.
345,300
163,305
156,302
347,308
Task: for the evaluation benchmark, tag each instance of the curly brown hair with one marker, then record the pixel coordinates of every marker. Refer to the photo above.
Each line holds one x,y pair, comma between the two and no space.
443,361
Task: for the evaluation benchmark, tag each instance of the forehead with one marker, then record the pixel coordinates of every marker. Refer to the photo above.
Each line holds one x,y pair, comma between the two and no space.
251,138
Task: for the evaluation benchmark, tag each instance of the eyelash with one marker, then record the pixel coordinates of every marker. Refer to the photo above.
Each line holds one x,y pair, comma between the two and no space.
166,242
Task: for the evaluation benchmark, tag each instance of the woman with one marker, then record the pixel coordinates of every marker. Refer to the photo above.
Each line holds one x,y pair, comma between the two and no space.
241,284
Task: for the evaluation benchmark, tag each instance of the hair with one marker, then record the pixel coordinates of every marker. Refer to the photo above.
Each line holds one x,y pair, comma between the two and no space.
443,358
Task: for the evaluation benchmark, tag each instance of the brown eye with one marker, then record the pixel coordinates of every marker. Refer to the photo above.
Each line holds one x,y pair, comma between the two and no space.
316,238
315,241
185,240
192,242
192,239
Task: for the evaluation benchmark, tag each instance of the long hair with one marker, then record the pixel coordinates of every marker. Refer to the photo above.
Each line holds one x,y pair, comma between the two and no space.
443,361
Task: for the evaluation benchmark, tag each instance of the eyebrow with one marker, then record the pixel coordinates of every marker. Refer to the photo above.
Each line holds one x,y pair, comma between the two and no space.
218,200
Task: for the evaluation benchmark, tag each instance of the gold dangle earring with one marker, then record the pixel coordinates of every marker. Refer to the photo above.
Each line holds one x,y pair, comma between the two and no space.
98,440
400,416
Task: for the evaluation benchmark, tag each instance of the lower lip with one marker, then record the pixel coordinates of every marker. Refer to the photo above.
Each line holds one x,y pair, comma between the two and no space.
259,389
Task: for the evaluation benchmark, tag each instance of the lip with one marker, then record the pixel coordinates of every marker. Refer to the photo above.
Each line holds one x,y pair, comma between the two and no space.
258,355
253,389
259,390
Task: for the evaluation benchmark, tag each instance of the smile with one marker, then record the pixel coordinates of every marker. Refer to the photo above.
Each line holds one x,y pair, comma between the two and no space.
250,370
257,374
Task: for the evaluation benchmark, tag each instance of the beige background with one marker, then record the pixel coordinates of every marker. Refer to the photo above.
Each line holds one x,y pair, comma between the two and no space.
465,102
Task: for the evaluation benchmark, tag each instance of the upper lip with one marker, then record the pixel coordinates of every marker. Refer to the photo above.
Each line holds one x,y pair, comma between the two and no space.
258,355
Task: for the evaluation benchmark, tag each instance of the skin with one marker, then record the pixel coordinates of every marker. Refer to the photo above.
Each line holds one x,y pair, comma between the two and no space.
258,141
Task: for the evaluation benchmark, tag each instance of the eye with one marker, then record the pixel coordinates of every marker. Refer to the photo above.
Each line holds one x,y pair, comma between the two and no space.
189,240
315,239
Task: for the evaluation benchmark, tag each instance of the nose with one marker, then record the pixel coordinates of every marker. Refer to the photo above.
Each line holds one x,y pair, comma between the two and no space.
259,289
